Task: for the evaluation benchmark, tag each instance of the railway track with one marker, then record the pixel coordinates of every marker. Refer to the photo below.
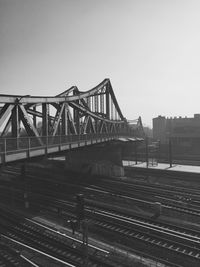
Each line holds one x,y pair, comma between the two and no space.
12,258
42,200
109,226
57,192
61,189
178,195
175,193
159,236
60,248
173,245
167,203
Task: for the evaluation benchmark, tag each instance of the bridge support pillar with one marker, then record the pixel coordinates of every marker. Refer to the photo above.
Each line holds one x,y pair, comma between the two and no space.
102,160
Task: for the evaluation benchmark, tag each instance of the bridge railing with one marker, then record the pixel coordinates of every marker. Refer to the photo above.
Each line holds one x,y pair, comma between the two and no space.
10,145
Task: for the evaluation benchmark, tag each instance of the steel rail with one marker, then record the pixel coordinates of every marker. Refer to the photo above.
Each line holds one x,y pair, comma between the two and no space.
173,194
174,207
152,224
185,252
36,250
182,233
174,246
9,257
48,242
64,235
29,261
125,193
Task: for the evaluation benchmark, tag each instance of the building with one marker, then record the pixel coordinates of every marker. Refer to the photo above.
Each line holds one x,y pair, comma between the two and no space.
159,129
184,132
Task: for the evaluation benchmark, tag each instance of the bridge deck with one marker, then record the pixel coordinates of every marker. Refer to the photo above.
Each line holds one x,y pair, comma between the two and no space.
12,149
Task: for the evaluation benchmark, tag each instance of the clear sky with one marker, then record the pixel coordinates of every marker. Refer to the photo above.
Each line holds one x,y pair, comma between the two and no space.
150,50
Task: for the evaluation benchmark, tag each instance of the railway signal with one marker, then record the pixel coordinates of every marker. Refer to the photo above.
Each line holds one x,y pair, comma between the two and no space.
79,212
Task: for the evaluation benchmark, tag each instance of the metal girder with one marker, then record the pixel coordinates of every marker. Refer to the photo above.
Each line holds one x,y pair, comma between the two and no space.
103,126
15,121
57,121
76,114
68,91
28,124
71,122
84,103
115,101
107,105
65,126
91,124
94,115
63,97
5,112
34,117
37,114
85,124
52,99
45,119
6,128
70,112
3,109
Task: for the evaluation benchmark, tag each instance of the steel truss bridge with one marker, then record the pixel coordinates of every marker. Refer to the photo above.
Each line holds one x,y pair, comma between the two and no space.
35,125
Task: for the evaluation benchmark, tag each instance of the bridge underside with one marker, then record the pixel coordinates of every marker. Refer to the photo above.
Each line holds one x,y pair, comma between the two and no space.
100,159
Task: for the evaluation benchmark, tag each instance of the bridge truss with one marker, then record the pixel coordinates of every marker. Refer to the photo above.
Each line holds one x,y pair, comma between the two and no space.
45,120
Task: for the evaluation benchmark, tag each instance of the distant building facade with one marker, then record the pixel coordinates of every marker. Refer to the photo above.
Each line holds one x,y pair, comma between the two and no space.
183,131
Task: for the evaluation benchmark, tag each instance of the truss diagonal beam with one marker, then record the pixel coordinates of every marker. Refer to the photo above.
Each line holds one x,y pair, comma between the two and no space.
70,112
5,113
29,125
57,122
92,114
